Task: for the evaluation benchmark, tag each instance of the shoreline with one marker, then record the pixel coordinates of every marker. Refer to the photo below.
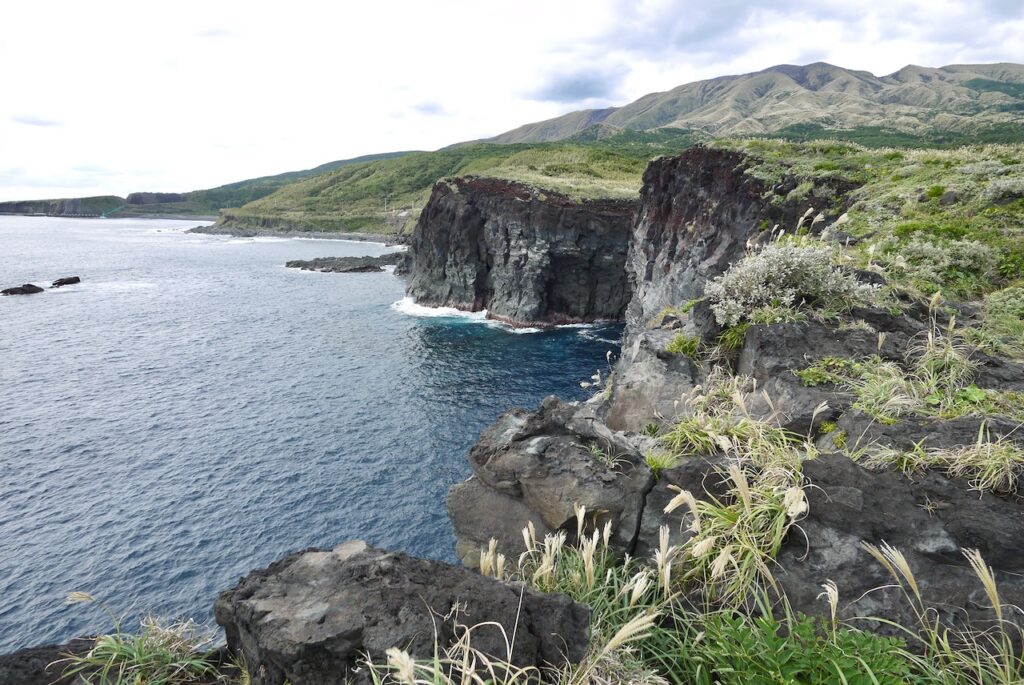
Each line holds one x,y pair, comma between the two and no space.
382,238
160,217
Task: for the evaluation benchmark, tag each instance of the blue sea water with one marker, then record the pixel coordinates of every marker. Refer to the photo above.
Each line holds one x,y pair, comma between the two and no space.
194,410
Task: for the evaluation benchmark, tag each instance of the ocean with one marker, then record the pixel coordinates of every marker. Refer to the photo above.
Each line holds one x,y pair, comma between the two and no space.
193,410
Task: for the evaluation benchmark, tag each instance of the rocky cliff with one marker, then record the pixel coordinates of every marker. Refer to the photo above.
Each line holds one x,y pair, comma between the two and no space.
79,206
527,256
698,212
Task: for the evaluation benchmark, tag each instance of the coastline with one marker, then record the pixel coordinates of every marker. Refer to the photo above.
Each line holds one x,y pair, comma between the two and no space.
161,217
383,238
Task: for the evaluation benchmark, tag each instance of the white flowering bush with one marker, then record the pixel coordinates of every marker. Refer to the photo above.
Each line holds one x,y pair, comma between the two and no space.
959,267
1005,189
782,275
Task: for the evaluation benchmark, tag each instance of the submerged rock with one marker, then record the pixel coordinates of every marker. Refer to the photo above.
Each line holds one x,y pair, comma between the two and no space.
527,256
344,265
26,289
67,280
311,618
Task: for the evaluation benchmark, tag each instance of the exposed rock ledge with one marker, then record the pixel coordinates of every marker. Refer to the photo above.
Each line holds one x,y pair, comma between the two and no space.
529,257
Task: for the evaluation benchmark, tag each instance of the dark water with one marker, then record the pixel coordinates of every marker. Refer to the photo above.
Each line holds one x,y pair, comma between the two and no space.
194,410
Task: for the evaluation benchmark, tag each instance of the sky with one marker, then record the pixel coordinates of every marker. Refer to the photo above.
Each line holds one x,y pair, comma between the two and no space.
115,97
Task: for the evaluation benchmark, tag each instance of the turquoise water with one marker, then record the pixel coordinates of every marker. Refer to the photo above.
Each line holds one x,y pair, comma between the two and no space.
193,410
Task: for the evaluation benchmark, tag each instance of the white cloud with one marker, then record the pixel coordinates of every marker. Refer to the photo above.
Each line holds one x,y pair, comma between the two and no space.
175,98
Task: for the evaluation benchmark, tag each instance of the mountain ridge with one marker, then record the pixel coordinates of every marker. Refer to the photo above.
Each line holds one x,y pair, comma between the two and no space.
817,93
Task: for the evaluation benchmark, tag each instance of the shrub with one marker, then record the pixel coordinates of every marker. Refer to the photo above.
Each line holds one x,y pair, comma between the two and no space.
784,275
1005,189
962,267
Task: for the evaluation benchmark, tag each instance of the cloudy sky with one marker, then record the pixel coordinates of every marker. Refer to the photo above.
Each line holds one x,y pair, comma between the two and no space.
110,97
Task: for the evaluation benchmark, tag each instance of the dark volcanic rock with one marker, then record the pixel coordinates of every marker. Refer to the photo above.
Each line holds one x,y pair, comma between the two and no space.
40,665
345,265
930,519
535,466
27,289
311,617
67,280
527,256
697,213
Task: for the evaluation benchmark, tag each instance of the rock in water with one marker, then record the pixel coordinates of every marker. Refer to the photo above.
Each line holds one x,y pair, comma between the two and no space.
345,265
310,618
26,289
67,280
527,256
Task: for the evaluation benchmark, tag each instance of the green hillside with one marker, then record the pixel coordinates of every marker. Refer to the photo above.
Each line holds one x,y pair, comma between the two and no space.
195,203
387,195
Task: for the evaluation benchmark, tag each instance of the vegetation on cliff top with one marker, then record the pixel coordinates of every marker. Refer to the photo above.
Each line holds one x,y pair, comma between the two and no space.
389,194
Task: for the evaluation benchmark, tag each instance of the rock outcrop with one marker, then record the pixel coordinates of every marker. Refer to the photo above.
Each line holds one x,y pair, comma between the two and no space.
26,289
536,466
698,213
347,265
312,617
43,665
67,280
528,256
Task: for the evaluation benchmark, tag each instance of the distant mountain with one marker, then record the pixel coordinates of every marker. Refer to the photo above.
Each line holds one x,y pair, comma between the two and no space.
924,102
195,203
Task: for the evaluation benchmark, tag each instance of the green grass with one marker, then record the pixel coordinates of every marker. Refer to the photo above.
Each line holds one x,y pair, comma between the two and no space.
896,204
160,653
686,345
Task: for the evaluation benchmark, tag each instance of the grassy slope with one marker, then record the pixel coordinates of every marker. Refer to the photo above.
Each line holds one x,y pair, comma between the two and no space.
353,198
598,161
901,196
197,202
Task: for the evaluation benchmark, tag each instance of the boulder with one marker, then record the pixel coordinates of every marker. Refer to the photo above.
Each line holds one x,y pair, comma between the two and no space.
26,289
536,466
310,618
67,280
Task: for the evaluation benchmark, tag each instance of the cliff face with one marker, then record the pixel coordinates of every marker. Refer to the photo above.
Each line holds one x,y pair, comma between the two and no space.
697,212
79,206
528,257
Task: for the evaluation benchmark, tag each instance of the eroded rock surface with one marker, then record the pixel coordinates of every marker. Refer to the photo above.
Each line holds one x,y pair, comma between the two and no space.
309,618
527,256
536,466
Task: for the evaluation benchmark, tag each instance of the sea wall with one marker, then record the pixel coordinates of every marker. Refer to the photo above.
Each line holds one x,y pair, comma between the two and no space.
528,256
